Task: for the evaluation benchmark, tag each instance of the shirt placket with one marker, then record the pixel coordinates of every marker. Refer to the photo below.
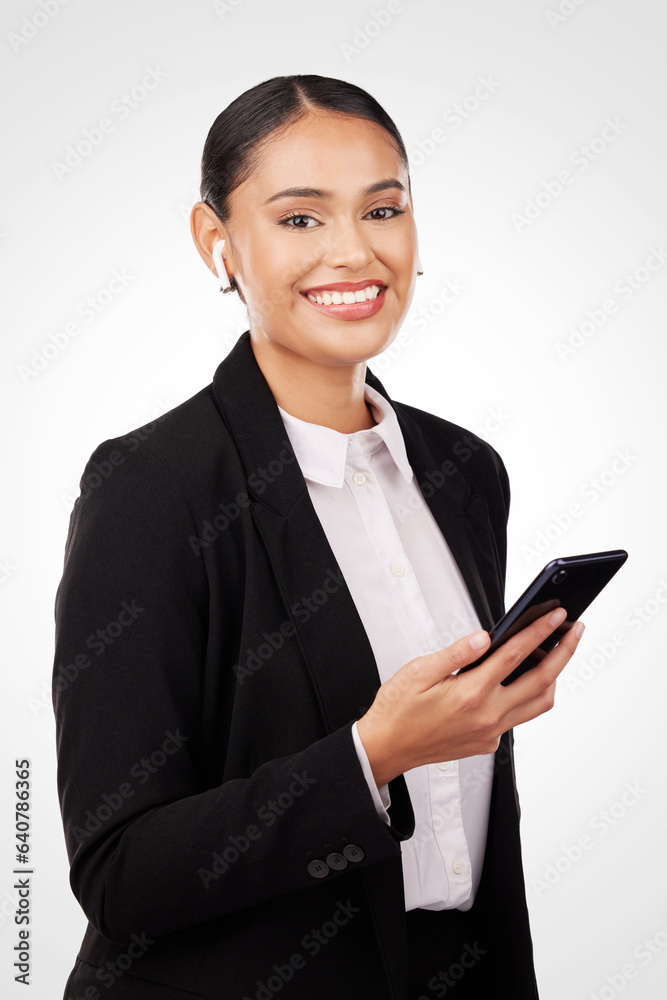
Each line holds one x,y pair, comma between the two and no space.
451,879
381,531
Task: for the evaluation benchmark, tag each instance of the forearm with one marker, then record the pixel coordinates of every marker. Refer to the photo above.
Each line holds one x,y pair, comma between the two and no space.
209,854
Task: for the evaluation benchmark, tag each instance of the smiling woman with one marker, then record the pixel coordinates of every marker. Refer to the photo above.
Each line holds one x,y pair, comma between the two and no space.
341,817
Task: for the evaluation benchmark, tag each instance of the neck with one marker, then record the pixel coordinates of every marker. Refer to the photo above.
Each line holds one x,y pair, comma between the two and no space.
332,396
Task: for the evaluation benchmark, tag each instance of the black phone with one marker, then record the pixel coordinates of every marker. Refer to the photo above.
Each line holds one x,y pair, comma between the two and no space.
572,583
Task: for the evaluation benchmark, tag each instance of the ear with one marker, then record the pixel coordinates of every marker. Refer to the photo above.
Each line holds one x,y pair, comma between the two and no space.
206,230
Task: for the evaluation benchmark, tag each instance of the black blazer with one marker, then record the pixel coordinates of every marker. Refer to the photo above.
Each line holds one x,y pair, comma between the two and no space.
210,664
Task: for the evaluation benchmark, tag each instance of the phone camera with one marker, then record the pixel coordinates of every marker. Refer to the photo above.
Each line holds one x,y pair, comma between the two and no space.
559,576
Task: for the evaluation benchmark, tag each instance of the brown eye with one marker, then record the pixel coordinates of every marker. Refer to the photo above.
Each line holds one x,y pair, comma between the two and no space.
299,222
385,209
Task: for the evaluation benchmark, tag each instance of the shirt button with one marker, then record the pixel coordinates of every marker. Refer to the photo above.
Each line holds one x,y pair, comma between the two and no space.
398,569
444,765
361,438
359,478
458,867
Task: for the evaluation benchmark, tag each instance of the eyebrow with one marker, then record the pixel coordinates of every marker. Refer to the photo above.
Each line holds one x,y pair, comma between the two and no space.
306,192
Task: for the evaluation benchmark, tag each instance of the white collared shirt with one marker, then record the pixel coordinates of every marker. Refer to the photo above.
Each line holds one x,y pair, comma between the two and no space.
412,600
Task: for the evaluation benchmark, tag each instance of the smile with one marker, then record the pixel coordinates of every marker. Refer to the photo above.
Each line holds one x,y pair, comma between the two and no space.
328,298
348,300
362,303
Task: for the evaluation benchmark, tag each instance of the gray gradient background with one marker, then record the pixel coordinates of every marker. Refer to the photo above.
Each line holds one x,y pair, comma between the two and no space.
492,350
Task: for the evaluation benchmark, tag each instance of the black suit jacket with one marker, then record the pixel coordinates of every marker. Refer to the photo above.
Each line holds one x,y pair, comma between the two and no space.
210,664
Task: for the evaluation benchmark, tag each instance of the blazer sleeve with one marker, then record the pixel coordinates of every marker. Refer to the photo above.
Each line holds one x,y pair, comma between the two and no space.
150,845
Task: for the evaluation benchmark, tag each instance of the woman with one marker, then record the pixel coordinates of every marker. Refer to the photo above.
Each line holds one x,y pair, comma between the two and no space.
272,779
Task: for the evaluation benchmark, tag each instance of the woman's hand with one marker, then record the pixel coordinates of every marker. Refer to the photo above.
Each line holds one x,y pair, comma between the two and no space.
427,713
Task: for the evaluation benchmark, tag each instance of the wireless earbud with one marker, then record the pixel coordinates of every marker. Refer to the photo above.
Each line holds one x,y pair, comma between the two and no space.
220,266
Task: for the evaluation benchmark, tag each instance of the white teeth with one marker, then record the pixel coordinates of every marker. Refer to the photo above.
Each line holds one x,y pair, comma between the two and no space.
367,294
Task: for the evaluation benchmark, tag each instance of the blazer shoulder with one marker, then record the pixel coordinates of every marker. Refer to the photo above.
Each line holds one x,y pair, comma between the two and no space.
478,461
180,429
187,444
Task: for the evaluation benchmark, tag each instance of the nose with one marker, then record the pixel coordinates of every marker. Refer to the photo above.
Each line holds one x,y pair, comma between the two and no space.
348,246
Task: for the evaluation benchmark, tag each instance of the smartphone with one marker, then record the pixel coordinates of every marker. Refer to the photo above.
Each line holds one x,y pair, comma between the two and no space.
572,583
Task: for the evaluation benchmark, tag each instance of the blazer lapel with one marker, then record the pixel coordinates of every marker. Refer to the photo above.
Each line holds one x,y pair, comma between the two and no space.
332,638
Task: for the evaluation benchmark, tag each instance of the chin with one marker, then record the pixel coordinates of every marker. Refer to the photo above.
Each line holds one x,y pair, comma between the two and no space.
355,345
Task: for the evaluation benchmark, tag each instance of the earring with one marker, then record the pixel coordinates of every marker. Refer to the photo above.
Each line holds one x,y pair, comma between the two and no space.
419,268
225,284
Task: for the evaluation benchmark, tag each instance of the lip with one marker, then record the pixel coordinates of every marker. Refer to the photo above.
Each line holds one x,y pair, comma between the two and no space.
345,286
348,311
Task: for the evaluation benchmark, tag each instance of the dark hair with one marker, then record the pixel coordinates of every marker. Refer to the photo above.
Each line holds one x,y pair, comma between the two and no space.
230,150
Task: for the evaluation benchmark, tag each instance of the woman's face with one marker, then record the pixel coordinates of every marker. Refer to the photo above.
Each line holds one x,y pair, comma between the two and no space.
326,213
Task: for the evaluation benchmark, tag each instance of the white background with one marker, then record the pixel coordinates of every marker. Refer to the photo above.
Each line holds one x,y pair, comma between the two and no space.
490,360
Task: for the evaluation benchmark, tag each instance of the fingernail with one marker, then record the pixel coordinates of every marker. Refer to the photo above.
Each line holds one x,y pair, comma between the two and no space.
478,640
558,616
579,629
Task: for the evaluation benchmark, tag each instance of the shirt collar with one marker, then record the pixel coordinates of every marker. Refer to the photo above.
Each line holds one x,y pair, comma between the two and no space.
322,452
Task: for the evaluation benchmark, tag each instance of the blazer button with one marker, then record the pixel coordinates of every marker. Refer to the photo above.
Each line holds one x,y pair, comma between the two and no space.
318,869
353,853
336,861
